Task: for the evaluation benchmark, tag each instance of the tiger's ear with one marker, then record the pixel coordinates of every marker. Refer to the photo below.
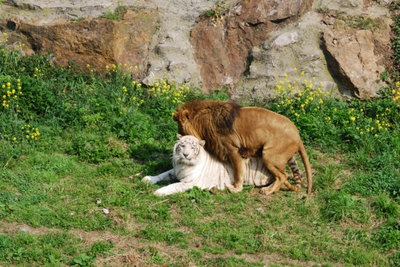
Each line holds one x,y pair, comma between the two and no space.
179,136
202,142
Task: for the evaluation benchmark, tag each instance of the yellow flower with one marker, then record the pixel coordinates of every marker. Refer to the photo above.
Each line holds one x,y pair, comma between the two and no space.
14,139
353,118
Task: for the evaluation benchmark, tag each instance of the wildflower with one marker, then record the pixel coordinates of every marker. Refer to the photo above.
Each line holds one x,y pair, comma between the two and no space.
352,118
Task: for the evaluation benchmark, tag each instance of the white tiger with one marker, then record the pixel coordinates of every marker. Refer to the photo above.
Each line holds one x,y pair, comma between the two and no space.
194,166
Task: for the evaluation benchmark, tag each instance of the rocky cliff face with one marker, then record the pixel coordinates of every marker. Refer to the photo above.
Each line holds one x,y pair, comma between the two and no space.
246,46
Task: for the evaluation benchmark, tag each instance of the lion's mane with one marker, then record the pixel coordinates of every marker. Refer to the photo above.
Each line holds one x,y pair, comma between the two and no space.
209,120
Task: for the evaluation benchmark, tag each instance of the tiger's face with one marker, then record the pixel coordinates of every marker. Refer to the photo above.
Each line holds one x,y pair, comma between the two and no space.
187,149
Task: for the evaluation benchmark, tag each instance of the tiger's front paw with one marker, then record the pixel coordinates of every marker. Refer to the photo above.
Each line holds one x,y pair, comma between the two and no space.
148,179
235,189
161,192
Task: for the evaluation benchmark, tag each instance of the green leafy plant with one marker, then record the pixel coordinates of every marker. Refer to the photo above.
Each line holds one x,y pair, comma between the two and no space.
116,15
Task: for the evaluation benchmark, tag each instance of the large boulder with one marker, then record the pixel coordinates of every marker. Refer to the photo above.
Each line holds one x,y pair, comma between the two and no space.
358,56
293,51
221,46
97,42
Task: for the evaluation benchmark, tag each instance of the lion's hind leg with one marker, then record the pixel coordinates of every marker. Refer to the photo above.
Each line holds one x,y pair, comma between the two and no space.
276,165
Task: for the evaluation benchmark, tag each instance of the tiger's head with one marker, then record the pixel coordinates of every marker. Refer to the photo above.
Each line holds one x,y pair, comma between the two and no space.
187,150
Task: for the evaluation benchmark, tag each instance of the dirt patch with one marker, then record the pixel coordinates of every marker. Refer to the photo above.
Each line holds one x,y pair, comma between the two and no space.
132,251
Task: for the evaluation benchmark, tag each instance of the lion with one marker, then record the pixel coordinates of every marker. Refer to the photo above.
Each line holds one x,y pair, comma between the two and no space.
232,133
194,166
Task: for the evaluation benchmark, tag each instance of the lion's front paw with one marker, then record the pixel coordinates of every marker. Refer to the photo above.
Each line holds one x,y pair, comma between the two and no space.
148,179
235,189
266,190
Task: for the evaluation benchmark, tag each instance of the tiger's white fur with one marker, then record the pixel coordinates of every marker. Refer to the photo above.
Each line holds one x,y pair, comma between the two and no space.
194,166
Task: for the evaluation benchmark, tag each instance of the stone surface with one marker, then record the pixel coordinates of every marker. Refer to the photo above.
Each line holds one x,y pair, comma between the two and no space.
248,48
221,47
295,47
357,57
98,42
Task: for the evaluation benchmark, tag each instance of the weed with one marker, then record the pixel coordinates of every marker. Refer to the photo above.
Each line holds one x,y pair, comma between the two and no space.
369,184
116,15
388,236
338,205
218,11
385,206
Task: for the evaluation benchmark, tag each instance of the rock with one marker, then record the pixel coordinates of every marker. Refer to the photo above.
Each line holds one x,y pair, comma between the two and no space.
291,50
98,42
353,7
172,52
357,57
221,46
247,47
25,229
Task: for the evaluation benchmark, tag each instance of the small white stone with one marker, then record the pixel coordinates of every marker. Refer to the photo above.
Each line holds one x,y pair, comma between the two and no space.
25,229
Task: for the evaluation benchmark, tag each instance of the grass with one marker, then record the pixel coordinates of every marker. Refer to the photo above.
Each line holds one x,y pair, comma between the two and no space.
75,145
116,15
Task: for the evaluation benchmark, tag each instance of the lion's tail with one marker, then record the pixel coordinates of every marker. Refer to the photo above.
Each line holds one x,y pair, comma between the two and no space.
307,167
